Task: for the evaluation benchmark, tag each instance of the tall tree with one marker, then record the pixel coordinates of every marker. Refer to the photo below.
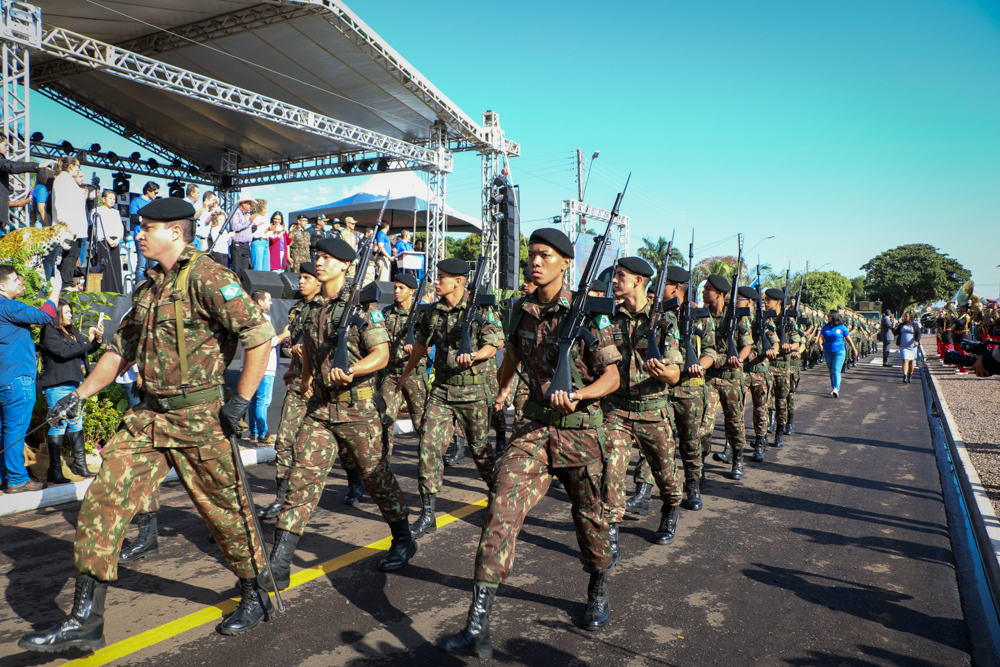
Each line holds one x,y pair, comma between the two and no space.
911,274
656,252
858,290
824,290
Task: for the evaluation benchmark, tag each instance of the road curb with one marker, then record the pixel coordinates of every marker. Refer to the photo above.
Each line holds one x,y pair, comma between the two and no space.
68,493
985,523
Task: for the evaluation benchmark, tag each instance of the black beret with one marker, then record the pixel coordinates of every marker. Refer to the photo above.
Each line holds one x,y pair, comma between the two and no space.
553,238
454,266
719,283
748,292
168,209
598,286
774,293
308,267
636,265
302,216
676,274
407,279
337,249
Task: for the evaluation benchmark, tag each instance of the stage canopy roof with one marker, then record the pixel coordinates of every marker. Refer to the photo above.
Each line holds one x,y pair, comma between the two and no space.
315,54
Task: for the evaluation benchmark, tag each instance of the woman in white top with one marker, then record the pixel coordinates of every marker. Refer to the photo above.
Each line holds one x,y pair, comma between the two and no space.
69,205
218,241
260,247
108,234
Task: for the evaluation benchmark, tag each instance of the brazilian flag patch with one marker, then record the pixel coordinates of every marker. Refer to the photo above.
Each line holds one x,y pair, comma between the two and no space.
231,291
377,316
603,321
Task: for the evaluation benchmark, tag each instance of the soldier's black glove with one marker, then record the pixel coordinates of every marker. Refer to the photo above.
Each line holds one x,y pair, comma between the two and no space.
231,413
66,408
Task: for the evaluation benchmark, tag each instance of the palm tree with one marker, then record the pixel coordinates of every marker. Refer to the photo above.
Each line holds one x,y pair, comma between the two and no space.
656,253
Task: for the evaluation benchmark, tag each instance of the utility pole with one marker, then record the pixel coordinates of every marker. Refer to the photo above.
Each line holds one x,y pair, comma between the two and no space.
579,186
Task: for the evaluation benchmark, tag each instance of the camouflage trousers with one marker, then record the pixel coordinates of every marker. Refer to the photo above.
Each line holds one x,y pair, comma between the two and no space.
781,388
656,451
760,391
132,471
794,373
524,473
297,260
689,417
414,393
441,419
317,445
292,413
729,393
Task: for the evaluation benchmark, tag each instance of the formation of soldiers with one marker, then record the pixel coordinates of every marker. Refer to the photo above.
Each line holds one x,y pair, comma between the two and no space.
187,319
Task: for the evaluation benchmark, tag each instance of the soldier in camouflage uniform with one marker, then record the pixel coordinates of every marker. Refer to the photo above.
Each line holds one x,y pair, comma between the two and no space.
340,415
639,409
564,436
460,395
795,369
301,316
298,243
724,377
414,390
182,331
781,364
757,370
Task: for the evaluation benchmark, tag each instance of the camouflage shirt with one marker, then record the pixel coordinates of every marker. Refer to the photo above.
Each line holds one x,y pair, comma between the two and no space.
793,336
757,356
395,324
742,337
629,330
441,327
704,337
217,315
298,245
301,316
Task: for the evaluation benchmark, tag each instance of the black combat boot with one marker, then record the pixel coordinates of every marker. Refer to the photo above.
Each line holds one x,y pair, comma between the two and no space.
281,560
83,628
669,515
426,522
55,475
458,456
770,424
759,449
474,638
79,464
788,427
639,503
145,545
738,471
401,549
598,602
778,435
692,489
255,606
726,456
274,509
355,488
616,553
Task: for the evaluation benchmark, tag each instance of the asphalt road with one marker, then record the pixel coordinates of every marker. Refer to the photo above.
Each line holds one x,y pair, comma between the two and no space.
835,551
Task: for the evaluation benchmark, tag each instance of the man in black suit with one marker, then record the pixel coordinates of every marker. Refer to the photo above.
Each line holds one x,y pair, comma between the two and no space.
885,335
8,167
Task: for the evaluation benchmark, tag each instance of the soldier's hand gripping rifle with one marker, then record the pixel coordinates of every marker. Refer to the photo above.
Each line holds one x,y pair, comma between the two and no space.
580,308
350,317
731,349
762,315
652,344
474,291
783,318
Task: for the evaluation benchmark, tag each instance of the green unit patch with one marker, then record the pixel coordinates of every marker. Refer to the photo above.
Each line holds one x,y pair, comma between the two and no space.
603,322
231,291
564,301
377,316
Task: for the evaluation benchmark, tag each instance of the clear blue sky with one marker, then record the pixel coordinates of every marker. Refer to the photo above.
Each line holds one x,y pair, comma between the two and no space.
843,129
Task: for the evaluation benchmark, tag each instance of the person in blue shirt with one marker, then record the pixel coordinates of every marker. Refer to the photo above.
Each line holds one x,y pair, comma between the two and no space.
833,340
149,192
18,373
40,212
383,251
402,245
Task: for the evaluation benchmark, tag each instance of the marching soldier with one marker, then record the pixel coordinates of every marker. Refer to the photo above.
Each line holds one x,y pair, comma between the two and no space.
725,378
340,415
564,436
298,244
781,364
795,369
414,390
758,372
460,393
300,317
639,409
182,332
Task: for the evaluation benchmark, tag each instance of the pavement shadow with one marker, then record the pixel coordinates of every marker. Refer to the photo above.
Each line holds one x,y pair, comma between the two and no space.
863,483
912,550
820,659
869,603
849,440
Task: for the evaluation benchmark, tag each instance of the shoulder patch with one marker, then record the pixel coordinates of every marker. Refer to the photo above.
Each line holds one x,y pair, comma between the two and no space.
564,301
231,291
603,322
377,316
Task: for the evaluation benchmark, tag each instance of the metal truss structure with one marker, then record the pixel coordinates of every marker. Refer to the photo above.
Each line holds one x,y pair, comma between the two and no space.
437,216
150,167
493,164
22,26
573,210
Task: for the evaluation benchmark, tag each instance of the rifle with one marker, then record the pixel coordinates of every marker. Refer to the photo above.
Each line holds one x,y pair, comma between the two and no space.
609,291
349,316
652,345
731,349
411,320
573,327
762,316
783,318
691,357
799,317
471,310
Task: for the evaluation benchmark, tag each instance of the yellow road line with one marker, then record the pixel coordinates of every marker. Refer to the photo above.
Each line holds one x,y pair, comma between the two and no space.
215,612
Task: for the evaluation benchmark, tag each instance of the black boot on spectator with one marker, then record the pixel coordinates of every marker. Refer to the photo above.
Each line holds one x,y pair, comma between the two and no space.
79,464
145,545
55,476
